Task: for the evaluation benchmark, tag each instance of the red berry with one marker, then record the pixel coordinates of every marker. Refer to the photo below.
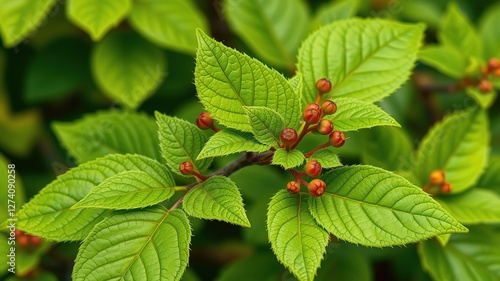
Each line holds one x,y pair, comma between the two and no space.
329,107
316,187
446,188
186,168
493,64
337,138
325,127
312,113
204,121
288,136
18,232
323,85
23,241
485,86
436,177
293,187
496,72
35,240
313,169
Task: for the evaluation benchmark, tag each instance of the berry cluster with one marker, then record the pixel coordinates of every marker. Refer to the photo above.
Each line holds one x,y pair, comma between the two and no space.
437,183
25,240
492,68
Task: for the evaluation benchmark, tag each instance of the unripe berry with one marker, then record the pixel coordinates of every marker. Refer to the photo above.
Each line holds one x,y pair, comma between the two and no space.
186,168
316,187
323,85
313,169
288,136
204,121
485,86
293,187
312,113
436,177
329,107
23,241
325,127
446,188
35,240
493,64
337,138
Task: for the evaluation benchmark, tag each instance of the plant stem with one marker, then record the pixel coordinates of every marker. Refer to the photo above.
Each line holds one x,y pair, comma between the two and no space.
321,146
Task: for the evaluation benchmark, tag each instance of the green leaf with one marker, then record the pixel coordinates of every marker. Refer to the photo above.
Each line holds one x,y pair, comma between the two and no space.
490,179
181,141
217,198
471,256
456,31
97,17
109,132
297,240
227,80
297,82
489,31
353,115
150,244
459,146
49,215
446,59
127,68
20,18
485,100
364,59
373,207
57,70
336,10
266,124
10,199
288,159
473,206
388,148
327,157
169,24
272,29
128,190
227,142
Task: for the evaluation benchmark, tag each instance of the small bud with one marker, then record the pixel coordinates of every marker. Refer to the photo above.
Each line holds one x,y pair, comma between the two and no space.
316,187
313,169
329,107
493,64
186,168
288,136
325,127
323,86
436,177
485,86
204,121
337,138
312,113
446,188
293,187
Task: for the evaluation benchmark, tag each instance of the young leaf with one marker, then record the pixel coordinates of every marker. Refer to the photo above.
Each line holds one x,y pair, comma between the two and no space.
169,24
490,179
457,32
473,206
353,115
446,59
297,82
336,10
49,215
388,148
376,208
272,29
127,68
327,157
489,31
216,198
150,244
364,59
485,100
266,124
21,18
109,132
97,17
471,256
227,80
297,240
128,190
288,159
181,141
228,142
458,146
